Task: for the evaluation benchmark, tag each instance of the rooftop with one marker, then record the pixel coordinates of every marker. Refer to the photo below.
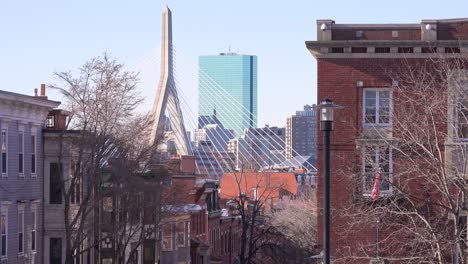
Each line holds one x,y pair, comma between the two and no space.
430,37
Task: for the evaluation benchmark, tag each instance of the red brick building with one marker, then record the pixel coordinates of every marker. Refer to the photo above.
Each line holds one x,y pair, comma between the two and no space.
269,187
355,63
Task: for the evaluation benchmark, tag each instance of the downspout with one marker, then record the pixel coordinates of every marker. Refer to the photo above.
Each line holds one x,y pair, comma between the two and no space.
43,196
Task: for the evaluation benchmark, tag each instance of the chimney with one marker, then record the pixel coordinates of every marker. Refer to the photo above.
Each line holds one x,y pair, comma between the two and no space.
35,91
43,90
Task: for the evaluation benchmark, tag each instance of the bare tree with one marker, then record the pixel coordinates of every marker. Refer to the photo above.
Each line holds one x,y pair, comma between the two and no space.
252,201
421,214
101,97
296,220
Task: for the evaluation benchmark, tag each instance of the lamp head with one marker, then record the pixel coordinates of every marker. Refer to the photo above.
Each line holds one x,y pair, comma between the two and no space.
326,108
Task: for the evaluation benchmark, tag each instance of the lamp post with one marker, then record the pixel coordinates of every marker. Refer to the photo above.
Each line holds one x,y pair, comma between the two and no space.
326,108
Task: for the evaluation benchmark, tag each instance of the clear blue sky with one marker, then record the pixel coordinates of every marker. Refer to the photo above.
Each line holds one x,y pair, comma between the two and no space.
40,37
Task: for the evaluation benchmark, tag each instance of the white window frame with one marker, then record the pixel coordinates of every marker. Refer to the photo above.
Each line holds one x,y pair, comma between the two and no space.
390,169
171,235
75,175
21,152
255,193
461,92
21,228
33,154
177,234
34,229
4,212
4,140
377,107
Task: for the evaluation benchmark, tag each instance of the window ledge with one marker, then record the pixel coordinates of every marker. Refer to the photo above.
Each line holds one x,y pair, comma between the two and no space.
33,175
366,125
4,175
21,175
381,194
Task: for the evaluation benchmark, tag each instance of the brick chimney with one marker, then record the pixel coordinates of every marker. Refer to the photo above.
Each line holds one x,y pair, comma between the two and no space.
43,90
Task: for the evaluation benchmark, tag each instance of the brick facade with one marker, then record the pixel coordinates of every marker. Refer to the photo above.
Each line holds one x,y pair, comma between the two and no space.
342,75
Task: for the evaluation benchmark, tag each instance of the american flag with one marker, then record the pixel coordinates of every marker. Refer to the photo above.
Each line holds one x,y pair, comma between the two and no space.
375,190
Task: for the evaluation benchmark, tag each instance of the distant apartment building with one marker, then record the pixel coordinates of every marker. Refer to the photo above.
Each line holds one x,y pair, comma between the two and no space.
212,130
22,119
301,138
228,84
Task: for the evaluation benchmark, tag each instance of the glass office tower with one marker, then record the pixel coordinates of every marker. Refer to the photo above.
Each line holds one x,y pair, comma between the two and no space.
228,89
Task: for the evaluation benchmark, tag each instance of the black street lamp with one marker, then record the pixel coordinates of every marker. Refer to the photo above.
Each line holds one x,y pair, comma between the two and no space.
326,108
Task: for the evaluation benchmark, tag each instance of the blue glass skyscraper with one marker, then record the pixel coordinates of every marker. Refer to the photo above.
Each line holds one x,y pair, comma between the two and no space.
228,88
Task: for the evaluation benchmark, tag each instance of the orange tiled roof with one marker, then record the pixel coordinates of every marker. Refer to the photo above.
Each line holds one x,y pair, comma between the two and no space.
268,184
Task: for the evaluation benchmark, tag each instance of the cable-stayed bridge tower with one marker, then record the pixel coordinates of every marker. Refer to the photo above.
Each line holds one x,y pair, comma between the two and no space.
167,100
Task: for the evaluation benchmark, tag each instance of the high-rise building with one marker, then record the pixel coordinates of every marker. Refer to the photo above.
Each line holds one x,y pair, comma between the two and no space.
301,135
228,85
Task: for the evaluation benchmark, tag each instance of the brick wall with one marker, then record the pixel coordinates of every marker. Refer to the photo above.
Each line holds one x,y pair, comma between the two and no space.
452,31
337,80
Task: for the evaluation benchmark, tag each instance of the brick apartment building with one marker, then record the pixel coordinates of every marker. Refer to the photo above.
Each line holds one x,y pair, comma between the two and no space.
355,63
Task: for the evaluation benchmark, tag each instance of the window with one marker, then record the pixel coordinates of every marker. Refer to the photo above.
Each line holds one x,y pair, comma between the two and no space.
133,259
33,228
167,237
405,49
4,152
33,154
428,49
377,106
20,230
377,158
77,256
461,110
452,50
358,49
50,122
382,49
3,233
75,188
337,50
55,250
181,234
255,194
55,183
20,153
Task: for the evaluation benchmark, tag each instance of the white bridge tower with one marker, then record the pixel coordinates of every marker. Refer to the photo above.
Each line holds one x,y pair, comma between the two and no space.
166,99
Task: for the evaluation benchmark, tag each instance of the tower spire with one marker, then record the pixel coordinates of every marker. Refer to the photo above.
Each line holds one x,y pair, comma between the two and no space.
166,99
